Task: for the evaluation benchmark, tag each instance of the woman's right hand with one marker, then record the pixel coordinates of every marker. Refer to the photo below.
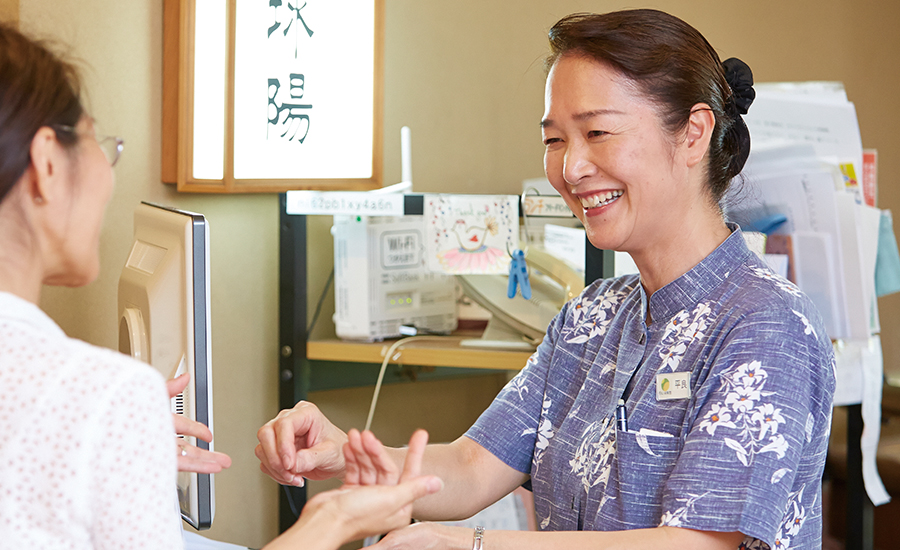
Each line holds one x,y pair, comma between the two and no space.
300,442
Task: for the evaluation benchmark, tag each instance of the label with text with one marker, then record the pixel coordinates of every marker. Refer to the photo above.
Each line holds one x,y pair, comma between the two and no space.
673,385
344,202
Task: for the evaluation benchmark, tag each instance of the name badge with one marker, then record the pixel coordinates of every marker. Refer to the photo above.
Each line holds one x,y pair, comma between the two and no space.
673,385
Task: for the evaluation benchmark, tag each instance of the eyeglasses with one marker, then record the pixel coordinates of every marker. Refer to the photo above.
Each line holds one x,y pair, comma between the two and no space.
111,146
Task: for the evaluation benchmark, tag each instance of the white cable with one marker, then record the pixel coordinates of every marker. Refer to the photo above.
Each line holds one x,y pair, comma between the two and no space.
384,364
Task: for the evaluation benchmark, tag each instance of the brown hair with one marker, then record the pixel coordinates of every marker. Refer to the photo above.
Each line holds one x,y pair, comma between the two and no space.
670,63
37,89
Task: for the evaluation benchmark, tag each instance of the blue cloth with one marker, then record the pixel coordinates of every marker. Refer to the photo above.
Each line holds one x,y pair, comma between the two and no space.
743,452
887,263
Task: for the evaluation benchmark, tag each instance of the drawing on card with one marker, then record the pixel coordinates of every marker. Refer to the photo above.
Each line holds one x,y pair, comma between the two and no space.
471,233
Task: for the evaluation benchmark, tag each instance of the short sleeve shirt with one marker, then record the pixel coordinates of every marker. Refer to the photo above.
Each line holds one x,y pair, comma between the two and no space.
728,396
87,445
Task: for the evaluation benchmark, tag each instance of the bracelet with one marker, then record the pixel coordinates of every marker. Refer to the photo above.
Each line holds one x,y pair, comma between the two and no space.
479,536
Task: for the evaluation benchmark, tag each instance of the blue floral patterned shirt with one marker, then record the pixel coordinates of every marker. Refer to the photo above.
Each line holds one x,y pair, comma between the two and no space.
728,396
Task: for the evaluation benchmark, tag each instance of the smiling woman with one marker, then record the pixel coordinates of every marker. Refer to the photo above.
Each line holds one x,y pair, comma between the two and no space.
634,185
642,136
718,372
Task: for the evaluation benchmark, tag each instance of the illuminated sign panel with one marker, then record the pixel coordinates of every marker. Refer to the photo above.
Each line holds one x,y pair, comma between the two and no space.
273,95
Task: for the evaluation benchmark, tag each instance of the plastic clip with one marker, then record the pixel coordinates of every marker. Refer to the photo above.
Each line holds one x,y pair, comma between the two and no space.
518,276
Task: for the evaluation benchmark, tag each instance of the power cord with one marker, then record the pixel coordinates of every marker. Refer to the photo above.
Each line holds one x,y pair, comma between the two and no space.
388,357
290,498
321,301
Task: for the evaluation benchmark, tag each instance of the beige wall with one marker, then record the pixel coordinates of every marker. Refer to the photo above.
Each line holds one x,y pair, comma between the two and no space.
466,76
9,10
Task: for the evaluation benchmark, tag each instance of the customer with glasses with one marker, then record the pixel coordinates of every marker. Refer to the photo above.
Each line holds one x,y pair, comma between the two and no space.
87,447
87,454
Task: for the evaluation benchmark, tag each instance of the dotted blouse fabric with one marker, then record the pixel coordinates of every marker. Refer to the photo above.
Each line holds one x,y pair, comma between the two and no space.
728,398
87,452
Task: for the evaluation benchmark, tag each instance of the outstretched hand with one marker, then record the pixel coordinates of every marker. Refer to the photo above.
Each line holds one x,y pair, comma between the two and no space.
356,510
376,496
190,457
367,462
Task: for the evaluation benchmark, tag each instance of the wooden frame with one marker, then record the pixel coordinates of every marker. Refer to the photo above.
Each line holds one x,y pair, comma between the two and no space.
177,120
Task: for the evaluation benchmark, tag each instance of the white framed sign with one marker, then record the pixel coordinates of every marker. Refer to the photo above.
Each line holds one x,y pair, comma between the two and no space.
272,95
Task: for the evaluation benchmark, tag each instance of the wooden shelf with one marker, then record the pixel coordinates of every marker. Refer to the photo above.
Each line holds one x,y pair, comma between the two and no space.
443,352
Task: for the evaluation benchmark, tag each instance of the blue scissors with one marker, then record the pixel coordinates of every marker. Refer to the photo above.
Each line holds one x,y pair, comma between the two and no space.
518,276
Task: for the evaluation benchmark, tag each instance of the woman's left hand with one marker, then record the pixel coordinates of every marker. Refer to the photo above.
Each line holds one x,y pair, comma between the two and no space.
367,462
190,457
427,536
369,466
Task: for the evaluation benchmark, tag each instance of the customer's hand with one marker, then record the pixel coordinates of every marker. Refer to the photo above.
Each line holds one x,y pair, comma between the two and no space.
300,442
367,503
355,511
190,457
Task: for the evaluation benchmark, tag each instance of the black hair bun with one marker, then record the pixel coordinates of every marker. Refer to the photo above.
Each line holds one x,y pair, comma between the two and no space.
740,79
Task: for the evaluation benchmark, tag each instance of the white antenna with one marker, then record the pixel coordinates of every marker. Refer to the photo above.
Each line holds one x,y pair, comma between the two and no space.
405,185
405,156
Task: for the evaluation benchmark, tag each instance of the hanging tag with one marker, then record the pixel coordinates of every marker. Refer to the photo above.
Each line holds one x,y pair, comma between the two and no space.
518,276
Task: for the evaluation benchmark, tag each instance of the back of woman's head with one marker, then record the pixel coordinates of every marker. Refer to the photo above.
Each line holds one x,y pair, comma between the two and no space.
673,66
37,89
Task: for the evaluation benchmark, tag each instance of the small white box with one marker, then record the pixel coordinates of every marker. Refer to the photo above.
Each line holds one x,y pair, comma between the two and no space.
381,282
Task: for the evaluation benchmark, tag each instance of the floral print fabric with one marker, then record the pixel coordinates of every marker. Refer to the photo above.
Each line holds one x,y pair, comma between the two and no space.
743,452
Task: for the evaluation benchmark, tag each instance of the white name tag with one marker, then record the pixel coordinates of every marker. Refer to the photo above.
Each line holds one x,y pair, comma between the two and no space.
673,385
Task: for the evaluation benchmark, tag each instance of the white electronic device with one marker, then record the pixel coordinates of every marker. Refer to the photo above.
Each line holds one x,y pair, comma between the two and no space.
164,320
381,281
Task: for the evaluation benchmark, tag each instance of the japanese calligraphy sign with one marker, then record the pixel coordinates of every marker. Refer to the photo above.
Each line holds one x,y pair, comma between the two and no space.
272,95
304,89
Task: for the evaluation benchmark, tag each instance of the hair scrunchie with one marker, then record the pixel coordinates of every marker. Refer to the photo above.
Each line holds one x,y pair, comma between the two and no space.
740,80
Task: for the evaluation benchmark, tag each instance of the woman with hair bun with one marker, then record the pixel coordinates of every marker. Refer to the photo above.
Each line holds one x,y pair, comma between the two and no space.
685,407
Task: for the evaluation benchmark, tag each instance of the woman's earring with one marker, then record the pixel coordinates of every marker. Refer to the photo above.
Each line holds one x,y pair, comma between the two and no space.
39,200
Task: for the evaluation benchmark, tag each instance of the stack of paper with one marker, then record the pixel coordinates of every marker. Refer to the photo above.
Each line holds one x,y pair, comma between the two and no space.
805,156
805,149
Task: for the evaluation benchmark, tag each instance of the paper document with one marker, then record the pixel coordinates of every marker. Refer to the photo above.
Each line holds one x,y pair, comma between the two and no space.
566,243
821,120
807,198
817,272
859,368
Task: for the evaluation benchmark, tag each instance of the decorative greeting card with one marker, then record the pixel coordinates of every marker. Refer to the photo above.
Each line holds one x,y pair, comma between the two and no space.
471,233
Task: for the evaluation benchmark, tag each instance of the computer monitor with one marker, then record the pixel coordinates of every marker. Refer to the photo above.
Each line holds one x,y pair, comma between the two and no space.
164,321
